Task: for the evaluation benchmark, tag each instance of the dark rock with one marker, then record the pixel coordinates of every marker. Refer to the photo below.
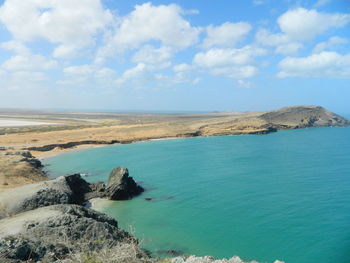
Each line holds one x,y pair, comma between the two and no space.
32,196
79,188
59,230
121,186
68,145
27,154
98,190
98,187
47,197
71,189
33,162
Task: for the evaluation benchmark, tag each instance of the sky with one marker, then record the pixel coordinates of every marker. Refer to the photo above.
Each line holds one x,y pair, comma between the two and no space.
180,55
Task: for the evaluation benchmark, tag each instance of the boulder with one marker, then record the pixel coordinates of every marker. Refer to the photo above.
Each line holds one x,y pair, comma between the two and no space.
32,196
51,233
121,186
72,189
62,190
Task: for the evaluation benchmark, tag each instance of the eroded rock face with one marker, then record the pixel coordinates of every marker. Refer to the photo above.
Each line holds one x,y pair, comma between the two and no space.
121,186
72,189
50,233
32,196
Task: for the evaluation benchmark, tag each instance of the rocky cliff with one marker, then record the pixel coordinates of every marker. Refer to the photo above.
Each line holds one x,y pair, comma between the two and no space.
47,222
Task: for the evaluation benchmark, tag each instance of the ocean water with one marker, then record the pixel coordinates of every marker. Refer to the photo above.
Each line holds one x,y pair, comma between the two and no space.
283,196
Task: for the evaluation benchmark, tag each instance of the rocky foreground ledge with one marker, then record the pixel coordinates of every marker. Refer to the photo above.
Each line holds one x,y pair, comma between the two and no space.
49,222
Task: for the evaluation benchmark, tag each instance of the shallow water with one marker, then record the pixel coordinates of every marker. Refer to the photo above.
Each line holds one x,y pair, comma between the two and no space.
282,196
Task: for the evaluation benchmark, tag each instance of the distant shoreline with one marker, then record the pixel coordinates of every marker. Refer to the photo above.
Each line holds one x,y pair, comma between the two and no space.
84,130
76,131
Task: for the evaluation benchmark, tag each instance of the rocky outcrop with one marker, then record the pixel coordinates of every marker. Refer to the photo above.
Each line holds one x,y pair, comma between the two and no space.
32,196
121,186
70,189
42,225
52,233
302,117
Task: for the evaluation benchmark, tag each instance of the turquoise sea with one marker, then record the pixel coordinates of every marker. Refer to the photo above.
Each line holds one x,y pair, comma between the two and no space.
283,196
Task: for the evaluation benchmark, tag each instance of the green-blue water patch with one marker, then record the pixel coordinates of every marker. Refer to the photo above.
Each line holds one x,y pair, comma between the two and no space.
282,196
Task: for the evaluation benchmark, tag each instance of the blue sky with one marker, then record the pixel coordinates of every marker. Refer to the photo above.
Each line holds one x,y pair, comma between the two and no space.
187,55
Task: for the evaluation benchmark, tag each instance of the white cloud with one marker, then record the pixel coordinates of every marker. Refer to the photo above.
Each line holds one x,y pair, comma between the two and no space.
24,59
29,76
324,64
82,70
15,46
104,73
234,63
22,80
289,48
64,51
330,43
142,75
29,62
298,25
267,38
320,3
132,73
184,73
244,84
155,58
88,76
70,23
225,35
258,2
196,81
182,67
281,42
164,23
88,71
301,24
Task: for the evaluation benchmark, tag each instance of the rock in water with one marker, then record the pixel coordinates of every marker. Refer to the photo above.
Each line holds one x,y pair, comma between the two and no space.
121,186
70,189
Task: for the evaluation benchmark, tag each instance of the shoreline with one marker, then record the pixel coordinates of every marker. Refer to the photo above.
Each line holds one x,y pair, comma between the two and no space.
84,130
42,155
99,204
